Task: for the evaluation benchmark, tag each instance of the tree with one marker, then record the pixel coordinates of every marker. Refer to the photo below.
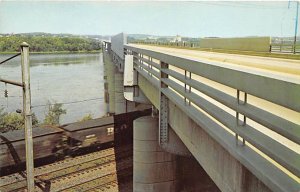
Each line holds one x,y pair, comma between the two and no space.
54,113
86,118
14,121
48,43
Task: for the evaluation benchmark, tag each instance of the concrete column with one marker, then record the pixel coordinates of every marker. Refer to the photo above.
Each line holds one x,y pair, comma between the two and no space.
111,83
153,169
120,103
106,94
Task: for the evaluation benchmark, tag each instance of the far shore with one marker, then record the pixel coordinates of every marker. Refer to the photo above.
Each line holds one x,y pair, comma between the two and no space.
54,52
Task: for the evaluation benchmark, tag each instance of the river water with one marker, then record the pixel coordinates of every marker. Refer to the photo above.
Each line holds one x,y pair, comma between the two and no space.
73,79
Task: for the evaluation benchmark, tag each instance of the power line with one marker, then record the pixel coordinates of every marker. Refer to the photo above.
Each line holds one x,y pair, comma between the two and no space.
67,103
10,58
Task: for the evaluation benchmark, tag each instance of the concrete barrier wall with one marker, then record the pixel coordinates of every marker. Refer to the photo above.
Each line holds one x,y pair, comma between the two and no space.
117,44
260,44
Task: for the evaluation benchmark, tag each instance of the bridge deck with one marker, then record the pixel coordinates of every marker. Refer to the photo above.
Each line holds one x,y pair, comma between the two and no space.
282,69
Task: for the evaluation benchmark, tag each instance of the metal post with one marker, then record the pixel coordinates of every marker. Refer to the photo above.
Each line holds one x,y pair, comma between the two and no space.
163,108
296,27
27,115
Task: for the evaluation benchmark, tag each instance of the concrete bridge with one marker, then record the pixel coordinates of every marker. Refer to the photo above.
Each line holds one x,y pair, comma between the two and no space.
237,115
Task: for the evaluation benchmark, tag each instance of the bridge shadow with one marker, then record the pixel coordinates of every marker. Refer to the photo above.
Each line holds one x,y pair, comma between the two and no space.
192,177
44,185
123,138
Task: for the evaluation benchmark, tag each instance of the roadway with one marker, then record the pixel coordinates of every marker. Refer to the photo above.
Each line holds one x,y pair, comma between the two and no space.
284,69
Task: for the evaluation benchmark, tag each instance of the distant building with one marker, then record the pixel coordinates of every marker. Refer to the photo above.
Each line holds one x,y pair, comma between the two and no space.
176,39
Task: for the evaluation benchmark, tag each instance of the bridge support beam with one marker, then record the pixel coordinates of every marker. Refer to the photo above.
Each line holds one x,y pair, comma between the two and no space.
153,169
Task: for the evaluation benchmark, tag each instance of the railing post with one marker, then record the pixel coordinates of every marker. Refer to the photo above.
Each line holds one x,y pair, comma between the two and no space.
136,61
185,85
27,115
163,108
237,115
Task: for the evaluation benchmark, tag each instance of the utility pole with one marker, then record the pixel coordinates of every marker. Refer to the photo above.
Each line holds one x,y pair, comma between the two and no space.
296,27
27,115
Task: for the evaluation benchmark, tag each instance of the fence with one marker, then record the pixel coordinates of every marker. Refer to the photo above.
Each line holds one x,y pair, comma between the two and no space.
273,48
284,48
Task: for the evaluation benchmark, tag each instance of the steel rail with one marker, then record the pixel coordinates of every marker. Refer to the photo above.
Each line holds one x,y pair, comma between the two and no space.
265,87
264,143
151,71
67,163
282,126
90,163
155,82
156,65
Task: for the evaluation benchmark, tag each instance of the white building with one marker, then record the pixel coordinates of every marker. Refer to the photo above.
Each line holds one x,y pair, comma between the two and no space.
176,39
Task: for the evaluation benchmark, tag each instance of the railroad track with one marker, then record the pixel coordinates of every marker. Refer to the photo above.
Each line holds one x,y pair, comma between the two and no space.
82,173
105,181
113,187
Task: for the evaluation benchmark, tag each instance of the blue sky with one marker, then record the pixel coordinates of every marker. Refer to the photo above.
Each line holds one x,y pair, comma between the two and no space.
194,19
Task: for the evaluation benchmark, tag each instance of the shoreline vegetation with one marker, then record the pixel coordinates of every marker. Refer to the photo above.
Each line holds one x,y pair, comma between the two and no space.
42,43
53,52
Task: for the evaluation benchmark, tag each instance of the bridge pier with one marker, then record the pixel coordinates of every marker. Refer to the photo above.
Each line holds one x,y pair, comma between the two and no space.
120,103
110,78
153,169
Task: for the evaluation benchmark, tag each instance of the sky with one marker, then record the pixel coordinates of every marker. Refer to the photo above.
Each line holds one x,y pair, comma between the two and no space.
185,18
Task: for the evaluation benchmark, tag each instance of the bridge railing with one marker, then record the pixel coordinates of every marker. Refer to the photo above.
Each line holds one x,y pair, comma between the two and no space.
284,48
240,102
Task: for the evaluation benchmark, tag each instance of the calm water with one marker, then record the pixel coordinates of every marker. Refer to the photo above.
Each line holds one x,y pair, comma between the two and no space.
73,79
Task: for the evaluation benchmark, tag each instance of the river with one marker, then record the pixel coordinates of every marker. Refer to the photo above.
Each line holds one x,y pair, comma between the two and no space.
73,79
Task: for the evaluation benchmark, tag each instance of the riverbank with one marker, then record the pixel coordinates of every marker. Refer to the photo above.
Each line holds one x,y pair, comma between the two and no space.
54,52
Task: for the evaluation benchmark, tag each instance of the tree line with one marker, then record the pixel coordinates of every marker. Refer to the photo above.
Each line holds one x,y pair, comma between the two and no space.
15,121
48,43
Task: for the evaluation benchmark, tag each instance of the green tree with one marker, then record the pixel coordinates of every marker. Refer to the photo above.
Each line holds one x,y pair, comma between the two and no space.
86,118
54,113
45,43
14,121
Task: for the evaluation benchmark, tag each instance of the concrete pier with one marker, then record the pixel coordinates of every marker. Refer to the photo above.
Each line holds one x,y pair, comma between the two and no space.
110,69
106,94
153,169
120,102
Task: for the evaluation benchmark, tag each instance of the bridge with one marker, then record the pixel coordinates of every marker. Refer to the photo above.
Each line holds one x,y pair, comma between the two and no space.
237,115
